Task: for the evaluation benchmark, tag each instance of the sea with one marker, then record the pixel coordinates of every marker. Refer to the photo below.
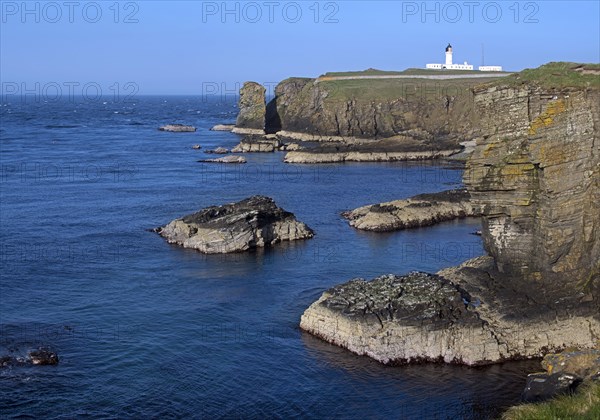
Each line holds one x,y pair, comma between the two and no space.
144,329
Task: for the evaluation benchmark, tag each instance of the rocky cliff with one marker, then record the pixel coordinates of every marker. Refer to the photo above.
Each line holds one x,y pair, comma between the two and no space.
535,174
252,107
422,109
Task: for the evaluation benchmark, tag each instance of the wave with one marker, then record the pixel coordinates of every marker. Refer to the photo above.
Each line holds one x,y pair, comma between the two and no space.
58,126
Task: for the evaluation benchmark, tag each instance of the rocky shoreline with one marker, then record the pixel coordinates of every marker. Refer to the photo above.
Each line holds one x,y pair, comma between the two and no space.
339,157
534,174
469,314
177,128
418,211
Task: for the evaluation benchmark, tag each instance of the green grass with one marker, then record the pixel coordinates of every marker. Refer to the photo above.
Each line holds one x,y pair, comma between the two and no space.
584,405
557,75
407,72
390,89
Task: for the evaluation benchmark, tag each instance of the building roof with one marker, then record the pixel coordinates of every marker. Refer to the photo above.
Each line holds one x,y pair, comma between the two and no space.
449,47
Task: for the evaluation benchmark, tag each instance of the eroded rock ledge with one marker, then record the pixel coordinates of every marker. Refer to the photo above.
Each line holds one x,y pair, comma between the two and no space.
418,211
254,222
469,314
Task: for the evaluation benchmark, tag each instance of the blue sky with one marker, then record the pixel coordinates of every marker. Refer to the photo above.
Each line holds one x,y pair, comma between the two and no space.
182,47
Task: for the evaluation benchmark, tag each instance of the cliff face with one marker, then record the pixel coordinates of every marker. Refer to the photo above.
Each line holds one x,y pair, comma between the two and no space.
427,110
536,174
252,107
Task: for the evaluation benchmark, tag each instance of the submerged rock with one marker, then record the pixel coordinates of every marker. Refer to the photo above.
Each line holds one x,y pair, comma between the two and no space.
418,211
196,147
39,357
251,223
178,128
43,356
225,159
218,151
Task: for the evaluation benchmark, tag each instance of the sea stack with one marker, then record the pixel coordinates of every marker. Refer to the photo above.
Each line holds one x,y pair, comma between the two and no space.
252,109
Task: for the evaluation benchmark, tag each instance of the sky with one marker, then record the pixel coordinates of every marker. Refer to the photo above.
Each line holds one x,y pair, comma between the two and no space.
190,47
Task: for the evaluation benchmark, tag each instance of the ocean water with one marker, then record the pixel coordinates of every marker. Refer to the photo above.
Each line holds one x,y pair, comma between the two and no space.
144,329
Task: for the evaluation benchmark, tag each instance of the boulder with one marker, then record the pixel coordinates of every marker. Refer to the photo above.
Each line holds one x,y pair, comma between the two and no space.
583,363
542,387
251,223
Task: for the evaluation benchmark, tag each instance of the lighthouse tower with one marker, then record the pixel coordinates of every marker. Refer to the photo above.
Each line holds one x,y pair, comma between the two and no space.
448,55
449,65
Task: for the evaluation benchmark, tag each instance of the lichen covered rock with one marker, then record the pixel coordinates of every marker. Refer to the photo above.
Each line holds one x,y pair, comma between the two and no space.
536,174
252,107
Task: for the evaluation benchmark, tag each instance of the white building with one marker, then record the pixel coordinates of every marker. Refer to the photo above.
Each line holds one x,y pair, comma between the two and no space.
449,65
490,68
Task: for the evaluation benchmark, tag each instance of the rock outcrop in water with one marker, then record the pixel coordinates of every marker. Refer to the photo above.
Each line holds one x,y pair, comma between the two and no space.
251,223
535,173
421,210
40,357
477,318
252,107
225,159
400,319
178,128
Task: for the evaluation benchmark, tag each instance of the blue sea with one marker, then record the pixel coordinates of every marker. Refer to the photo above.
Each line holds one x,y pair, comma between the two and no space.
145,329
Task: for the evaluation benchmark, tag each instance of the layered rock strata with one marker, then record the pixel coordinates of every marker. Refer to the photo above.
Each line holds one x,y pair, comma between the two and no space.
252,108
535,174
421,210
251,223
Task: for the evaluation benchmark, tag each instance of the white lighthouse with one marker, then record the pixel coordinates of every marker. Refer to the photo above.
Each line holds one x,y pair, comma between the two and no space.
449,65
448,55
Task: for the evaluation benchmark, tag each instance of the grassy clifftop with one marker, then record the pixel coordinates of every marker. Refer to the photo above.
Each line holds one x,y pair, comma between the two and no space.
557,75
407,72
391,89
